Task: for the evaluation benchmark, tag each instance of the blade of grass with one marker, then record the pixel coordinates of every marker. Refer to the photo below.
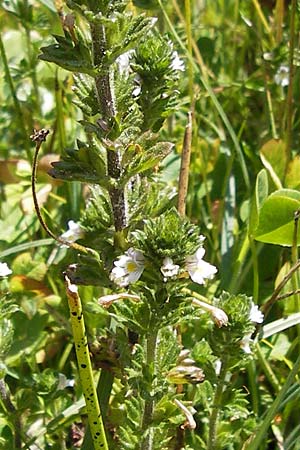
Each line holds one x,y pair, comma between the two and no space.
259,436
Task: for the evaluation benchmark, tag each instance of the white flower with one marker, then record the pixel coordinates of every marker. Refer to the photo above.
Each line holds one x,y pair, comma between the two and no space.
74,232
128,268
123,61
282,76
245,344
255,314
219,317
4,270
169,269
177,63
199,269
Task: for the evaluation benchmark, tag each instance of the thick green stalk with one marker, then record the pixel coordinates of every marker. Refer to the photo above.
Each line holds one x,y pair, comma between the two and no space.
103,83
213,420
85,368
147,443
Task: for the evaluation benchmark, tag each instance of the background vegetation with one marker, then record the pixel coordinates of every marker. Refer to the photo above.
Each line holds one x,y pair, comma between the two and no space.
241,80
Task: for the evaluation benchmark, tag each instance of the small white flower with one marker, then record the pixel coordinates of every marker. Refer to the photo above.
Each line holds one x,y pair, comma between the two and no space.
169,269
255,314
177,63
282,76
219,317
128,268
123,61
245,344
4,270
73,233
199,269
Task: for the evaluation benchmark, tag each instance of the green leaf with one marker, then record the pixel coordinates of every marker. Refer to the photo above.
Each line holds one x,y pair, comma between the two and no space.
276,218
73,56
84,164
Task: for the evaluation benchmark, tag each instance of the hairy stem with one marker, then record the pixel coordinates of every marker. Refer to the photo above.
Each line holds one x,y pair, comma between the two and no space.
103,84
147,443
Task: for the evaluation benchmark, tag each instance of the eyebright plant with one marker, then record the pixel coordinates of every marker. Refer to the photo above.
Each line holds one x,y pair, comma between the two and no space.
144,257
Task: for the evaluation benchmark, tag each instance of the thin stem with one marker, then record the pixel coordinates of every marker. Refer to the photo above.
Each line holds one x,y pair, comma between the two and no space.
85,368
272,411
39,137
213,420
270,375
255,270
295,279
252,377
274,297
289,100
13,413
187,4
19,113
147,443
185,166
263,21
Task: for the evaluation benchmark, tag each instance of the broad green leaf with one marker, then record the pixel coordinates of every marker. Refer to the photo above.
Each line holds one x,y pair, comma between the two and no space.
276,218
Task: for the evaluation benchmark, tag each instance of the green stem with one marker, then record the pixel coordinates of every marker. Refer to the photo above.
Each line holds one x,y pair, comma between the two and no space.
272,411
255,270
187,4
295,278
238,266
289,100
12,412
20,117
85,368
270,375
252,377
213,420
147,443
32,64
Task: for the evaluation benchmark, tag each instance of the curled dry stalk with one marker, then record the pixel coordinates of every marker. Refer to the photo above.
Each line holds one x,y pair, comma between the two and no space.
39,137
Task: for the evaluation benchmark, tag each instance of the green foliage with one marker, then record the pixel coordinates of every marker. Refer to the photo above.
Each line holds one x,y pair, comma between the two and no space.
73,56
158,79
167,236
